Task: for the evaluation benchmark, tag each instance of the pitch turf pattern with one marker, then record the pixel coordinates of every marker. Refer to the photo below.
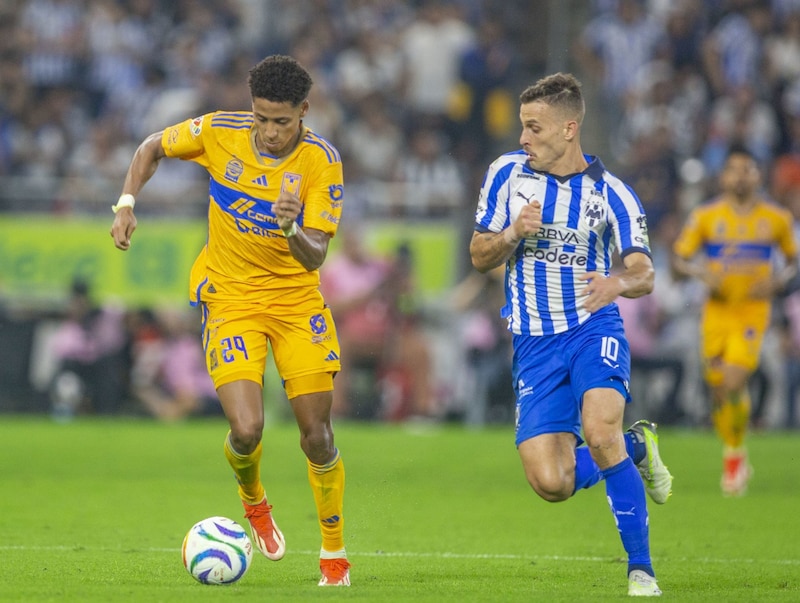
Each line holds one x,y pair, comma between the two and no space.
96,511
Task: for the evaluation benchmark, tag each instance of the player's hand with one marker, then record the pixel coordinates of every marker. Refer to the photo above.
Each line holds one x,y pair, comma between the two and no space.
123,227
600,290
287,208
528,222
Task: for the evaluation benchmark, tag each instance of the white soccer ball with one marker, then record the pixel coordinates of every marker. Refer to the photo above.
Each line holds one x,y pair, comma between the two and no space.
217,550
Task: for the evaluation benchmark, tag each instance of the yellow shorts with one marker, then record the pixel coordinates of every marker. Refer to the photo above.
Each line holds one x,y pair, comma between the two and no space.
732,334
297,325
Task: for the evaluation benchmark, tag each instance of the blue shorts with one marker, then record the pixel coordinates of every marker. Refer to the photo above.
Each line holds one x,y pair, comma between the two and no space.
552,372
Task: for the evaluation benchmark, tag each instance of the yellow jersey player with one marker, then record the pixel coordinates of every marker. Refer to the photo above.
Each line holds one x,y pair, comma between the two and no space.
275,200
730,244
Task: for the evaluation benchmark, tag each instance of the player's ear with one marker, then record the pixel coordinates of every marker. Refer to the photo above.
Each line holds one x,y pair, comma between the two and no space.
570,129
304,108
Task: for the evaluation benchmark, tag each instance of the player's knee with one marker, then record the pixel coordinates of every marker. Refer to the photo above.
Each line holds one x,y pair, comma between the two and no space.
552,486
317,444
245,438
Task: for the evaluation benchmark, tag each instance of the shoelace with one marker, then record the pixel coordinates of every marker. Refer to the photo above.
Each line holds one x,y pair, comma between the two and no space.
336,568
257,511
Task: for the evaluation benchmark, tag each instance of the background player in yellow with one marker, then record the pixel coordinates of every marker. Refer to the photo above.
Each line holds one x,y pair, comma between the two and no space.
730,244
275,198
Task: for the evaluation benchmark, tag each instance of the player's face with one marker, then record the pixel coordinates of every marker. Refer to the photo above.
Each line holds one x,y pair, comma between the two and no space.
543,135
740,176
277,125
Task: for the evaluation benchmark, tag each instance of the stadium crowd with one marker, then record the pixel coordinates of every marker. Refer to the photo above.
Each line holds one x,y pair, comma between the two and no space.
418,97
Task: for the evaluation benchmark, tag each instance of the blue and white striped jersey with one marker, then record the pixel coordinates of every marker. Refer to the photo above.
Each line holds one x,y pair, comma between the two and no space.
586,216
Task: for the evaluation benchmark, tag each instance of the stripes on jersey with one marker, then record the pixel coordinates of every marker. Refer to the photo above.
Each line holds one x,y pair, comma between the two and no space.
240,205
584,218
330,151
236,120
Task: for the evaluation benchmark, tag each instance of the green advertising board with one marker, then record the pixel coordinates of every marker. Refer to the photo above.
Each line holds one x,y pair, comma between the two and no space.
41,255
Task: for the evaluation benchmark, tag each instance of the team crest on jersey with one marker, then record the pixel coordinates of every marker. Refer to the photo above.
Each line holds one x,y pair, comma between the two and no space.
233,170
595,210
291,183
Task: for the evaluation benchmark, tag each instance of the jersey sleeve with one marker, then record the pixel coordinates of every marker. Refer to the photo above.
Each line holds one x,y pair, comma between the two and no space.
492,214
187,140
786,239
324,197
690,238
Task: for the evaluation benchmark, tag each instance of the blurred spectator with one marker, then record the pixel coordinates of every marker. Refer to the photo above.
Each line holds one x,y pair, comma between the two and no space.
432,46
782,52
90,351
482,106
740,118
785,176
169,376
371,65
373,141
733,49
52,38
428,180
643,320
382,344
614,46
484,336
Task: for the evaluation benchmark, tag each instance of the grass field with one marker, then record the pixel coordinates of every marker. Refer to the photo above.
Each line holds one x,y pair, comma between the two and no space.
96,510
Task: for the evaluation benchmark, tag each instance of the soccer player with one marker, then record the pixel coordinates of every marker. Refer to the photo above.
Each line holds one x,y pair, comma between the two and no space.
275,199
731,245
554,217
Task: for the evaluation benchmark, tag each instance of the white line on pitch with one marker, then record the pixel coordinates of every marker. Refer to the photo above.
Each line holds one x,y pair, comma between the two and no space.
443,555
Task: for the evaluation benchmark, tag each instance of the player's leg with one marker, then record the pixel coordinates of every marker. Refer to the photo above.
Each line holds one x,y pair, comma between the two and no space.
731,416
244,407
549,463
600,361
603,410
547,418
732,347
306,349
236,352
326,473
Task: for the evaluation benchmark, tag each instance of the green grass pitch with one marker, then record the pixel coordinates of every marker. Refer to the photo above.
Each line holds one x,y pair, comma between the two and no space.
95,510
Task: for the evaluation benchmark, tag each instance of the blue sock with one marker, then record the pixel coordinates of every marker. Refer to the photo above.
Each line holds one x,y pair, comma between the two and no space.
634,445
626,497
587,473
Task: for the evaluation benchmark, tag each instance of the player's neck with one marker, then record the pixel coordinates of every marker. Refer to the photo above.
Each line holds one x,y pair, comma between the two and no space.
571,163
742,205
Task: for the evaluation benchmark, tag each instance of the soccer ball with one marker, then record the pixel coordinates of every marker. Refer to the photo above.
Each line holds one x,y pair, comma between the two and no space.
217,550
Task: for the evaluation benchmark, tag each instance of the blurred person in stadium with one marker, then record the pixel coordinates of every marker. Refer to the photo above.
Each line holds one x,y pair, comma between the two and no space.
730,244
554,216
377,331
614,46
276,193
168,374
89,347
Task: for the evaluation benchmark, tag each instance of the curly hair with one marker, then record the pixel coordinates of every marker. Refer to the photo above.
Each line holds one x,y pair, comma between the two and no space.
561,90
280,79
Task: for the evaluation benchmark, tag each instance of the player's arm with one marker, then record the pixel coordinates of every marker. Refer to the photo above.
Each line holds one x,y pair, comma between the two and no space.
635,280
777,283
143,165
491,249
309,246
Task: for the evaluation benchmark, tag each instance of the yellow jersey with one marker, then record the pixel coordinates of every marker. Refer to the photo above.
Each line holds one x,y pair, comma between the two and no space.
246,256
739,247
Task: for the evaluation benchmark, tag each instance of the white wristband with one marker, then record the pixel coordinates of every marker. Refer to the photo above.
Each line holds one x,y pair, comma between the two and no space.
292,231
125,200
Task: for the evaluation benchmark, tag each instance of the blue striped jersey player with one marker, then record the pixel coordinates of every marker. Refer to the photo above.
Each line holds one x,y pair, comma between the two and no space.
555,217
